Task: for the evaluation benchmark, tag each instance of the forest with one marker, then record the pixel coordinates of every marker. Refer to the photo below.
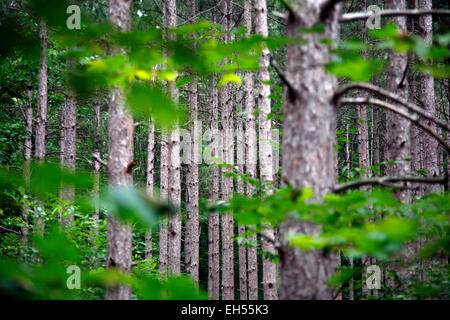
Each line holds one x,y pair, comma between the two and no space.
224,150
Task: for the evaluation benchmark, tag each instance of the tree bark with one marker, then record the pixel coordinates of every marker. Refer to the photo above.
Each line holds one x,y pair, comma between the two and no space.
27,148
265,149
96,154
150,185
120,149
308,144
40,142
68,141
426,91
250,158
227,182
397,128
240,159
213,219
191,242
174,250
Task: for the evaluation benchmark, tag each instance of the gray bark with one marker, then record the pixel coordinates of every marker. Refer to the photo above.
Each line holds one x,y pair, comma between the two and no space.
397,128
308,145
68,140
40,142
150,184
240,159
227,182
120,149
191,242
27,147
265,148
426,93
96,165
213,219
250,158
174,250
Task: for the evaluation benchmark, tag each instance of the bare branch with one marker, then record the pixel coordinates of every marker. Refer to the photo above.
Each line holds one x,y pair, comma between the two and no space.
282,76
400,111
393,97
353,16
96,158
387,181
9,230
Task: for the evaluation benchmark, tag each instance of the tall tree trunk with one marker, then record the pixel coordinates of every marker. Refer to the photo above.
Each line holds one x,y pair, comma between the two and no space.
174,251
164,193
68,147
213,219
191,243
150,185
363,164
120,149
40,141
227,182
416,132
240,159
250,158
397,127
27,148
426,93
96,165
308,144
265,148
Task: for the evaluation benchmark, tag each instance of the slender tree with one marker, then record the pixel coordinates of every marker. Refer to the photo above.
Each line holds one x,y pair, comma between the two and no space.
40,142
240,159
96,165
426,94
227,182
397,128
308,143
265,148
68,146
191,242
174,251
213,218
27,148
250,157
150,182
120,159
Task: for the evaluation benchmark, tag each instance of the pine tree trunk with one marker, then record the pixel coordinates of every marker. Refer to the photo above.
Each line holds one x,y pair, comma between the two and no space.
397,127
416,132
250,158
150,183
96,166
120,149
213,219
68,141
174,251
191,242
308,145
164,193
27,148
265,148
426,94
227,182
40,142
240,159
